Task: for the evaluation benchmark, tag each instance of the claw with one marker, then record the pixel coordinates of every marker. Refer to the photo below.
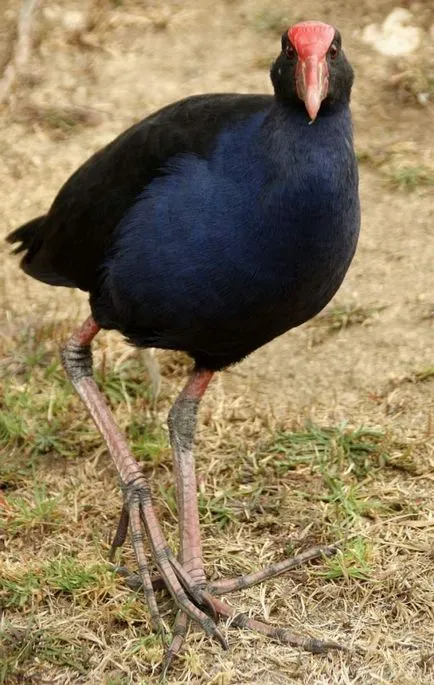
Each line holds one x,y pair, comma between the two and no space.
141,511
207,604
138,513
277,633
179,632
222,640
121,533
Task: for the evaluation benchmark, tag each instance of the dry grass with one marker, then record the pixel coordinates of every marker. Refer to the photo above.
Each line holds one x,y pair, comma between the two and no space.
67,615
325,434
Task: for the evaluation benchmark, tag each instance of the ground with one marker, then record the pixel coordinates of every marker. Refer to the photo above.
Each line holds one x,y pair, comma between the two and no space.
326,434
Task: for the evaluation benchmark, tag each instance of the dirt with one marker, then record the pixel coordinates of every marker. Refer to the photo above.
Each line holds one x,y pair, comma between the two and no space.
125,60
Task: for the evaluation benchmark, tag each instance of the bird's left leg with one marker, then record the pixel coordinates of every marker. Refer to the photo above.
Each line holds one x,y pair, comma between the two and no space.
182,426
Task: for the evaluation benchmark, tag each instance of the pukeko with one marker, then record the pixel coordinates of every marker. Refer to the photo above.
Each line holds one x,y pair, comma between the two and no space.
211,227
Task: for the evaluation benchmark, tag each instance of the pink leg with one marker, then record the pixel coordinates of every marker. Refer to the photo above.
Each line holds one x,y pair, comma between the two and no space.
138,508
182,425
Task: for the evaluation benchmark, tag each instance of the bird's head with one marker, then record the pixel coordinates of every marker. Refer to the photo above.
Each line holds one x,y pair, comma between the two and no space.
312,68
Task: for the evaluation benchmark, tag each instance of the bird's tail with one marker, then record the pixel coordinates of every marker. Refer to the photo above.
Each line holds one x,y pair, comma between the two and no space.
36,262
25,234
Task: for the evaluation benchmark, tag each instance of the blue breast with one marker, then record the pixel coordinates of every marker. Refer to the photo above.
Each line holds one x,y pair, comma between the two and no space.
225,253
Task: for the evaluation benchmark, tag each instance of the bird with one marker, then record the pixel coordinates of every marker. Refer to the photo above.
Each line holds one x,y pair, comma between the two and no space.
210,227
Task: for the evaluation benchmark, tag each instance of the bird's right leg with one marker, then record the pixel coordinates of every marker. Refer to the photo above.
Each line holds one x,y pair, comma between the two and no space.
138,508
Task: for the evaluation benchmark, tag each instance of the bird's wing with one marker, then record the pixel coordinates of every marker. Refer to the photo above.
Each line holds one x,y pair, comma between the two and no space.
69,245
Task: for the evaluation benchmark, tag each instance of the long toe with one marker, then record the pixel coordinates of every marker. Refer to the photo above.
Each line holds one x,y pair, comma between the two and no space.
227,585
278,633
179,633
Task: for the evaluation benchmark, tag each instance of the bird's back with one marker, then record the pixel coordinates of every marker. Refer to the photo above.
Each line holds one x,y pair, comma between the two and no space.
68,246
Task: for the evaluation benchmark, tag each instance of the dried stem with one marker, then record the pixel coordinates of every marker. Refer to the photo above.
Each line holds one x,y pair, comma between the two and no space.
21,52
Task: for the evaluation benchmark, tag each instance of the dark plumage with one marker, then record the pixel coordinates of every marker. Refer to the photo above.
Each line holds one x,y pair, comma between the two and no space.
219,222
213,225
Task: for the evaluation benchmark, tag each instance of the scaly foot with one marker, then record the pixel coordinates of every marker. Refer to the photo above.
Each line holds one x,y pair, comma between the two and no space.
206,598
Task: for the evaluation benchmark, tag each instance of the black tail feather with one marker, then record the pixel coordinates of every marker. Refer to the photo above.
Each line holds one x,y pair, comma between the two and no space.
35,262
25,234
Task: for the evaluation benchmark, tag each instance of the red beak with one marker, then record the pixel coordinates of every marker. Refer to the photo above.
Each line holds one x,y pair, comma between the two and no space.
312,83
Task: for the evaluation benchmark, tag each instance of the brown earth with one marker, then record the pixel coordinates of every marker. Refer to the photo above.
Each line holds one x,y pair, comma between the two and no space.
371,365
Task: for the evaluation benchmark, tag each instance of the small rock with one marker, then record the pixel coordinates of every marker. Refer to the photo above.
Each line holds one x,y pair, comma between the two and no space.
423,99
395,36
74,21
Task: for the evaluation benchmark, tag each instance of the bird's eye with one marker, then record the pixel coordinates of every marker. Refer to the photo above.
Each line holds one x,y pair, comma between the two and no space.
334,51
290,51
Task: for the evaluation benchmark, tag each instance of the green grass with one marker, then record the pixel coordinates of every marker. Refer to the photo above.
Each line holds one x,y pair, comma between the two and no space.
125,384
341,317
218,509
425,374
33,589
12,428
40,513
399,167
344,459
65,575
21,646
40,413
409,177
348,502
343,462
36,413
61,122
337,448
398,170
353,561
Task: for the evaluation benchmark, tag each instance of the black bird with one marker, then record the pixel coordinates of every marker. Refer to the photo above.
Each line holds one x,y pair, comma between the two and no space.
212,226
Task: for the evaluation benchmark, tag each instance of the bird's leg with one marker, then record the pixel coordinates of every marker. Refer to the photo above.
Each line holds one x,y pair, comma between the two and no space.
77,361
182,426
